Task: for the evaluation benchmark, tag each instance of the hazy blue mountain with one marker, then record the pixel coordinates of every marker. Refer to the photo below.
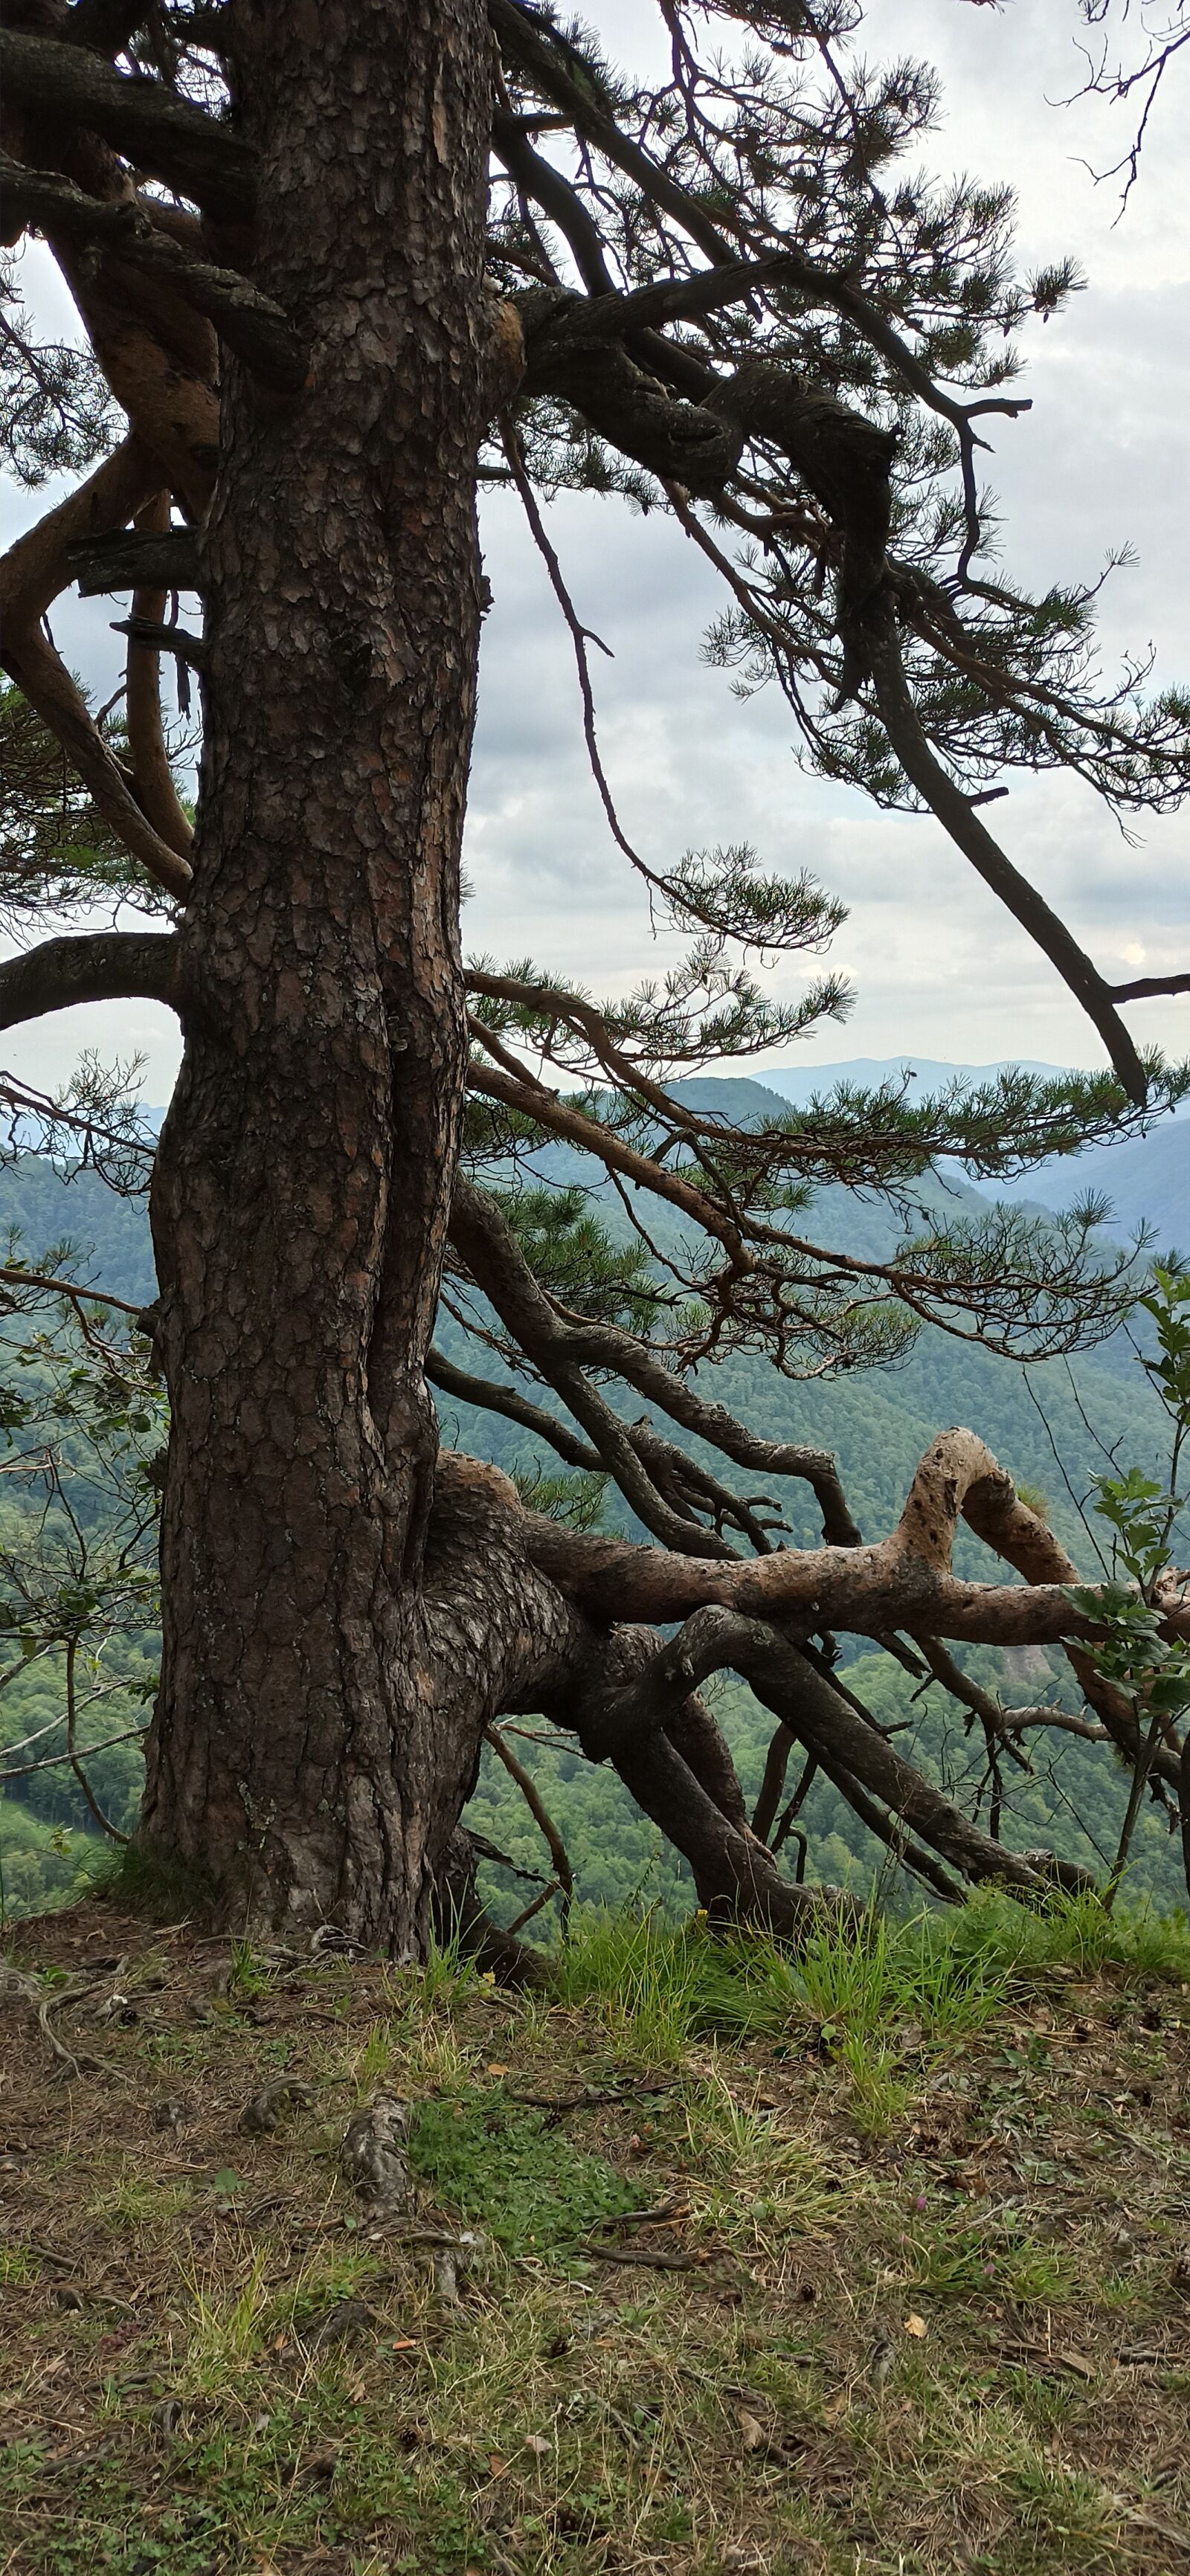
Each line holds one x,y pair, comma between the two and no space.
1147,1182
799,1082
1147,1179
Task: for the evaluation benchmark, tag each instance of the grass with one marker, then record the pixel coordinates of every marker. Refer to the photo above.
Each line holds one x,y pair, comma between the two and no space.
493,2161
864,2260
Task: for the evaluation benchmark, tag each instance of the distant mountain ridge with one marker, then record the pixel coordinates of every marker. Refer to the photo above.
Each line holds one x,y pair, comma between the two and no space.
1146,1179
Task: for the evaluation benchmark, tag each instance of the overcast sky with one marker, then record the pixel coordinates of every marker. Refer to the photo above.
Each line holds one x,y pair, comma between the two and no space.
1100,460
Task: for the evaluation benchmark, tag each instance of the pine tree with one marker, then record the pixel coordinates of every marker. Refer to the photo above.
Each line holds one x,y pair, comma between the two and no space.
340,268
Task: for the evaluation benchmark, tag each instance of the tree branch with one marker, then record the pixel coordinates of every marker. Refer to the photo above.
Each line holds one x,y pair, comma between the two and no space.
90,966
163,134
131,559
954,811
249,321
152,775
563,1874
501,1267
904,1581
32,573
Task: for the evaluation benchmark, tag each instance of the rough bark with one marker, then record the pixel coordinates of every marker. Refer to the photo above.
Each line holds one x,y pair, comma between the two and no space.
307,1748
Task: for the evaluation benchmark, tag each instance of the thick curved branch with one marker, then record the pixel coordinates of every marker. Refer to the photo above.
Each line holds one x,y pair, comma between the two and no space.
32,573
902,1582
91,966
164,135
957,817
539,179
250,322
730,277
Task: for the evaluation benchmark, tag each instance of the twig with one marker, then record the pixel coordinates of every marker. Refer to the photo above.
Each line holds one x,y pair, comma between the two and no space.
644,2257
664,2212
528,1911
54,1761
590,2099
10,1278
104,1822
43,2005
563,1874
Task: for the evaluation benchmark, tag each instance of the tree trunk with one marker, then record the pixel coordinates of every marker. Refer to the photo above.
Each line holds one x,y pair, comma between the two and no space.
301,1751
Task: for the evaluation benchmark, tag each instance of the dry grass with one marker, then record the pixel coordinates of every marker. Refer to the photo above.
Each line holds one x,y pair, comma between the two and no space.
924,2302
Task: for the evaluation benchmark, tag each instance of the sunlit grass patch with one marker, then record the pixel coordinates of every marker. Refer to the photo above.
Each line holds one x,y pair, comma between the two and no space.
748,2174
223,2323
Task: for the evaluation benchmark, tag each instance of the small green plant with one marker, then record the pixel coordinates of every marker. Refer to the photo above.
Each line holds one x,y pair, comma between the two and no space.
880,2096
248,1974
224,2328
499,2163
374,2059
961,2260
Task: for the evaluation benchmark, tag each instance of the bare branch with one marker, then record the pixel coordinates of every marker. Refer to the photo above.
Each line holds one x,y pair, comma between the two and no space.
563,1874
954,811
104,1822
44,1281
90,966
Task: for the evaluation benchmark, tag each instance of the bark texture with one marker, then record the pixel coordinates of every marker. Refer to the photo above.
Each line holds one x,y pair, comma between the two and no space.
300,1748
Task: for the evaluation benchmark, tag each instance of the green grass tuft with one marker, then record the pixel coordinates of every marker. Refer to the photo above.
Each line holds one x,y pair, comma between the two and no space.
500,2164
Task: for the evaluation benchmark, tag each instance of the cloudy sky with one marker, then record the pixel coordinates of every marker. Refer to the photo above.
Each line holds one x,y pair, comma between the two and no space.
1100,460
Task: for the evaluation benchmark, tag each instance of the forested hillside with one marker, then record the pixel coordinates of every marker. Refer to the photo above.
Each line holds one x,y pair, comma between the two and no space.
1053,1426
